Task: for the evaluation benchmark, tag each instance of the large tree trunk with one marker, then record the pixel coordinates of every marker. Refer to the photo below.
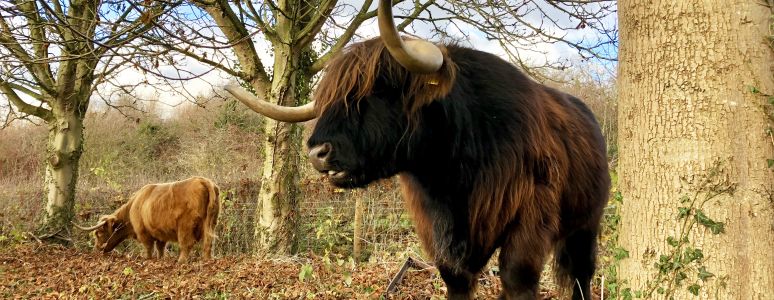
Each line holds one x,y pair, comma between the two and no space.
691,126
277,211
279,196
65,145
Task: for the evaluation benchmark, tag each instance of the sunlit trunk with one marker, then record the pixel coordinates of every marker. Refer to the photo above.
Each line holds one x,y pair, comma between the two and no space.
278,207
695,124
65,145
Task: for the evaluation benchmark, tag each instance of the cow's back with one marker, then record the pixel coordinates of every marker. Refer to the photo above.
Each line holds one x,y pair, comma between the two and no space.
160,210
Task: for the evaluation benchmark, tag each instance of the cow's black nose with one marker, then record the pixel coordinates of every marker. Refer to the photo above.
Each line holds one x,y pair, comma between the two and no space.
319,156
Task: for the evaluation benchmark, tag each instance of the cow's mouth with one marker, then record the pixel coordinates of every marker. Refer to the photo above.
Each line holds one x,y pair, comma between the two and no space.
348,179
337,175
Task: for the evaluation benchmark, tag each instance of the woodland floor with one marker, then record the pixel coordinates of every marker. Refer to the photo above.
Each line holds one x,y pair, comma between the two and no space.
53,272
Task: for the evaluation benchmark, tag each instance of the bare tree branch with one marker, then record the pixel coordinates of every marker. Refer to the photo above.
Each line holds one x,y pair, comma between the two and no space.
33,64
346,37
309,32
24,107
252,68
328,26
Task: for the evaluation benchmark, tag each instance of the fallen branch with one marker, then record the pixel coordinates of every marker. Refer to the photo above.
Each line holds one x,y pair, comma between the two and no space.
53,236
34,237
410,263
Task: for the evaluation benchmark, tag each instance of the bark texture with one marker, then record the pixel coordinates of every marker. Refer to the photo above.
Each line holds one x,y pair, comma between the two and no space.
65,145
686,75
278,200
73,88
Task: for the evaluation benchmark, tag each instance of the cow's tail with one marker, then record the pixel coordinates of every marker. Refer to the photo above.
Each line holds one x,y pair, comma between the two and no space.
213,209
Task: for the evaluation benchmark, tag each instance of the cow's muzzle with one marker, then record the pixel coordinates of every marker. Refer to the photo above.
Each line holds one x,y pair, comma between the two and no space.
320,155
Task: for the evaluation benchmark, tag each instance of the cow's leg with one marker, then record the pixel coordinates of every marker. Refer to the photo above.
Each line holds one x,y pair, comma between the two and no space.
160,247
186,240
147,242
184,253
521,261
576,259
207,246
460,284
206,240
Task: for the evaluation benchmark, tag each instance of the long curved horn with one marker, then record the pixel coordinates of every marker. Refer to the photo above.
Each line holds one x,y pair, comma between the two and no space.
92,228
417,56
277,112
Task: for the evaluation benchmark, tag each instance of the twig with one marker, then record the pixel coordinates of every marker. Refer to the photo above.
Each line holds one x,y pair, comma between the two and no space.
398,278
602,289
54,235
421,265
580,288
410,263
148,296
35,237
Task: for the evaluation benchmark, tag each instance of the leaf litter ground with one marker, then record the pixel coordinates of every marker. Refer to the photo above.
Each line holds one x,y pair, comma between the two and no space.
54,272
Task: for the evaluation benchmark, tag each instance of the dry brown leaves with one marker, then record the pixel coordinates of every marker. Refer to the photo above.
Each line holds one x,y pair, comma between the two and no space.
39,271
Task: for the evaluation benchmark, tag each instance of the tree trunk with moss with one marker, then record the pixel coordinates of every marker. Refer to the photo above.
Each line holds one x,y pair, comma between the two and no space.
65,145
278,200
695,141
290,32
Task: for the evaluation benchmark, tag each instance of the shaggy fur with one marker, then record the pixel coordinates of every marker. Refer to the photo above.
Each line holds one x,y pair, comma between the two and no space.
355,75
184,212
487,159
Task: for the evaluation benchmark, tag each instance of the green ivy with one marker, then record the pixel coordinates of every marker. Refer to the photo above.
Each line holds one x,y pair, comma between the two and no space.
615,253
683,257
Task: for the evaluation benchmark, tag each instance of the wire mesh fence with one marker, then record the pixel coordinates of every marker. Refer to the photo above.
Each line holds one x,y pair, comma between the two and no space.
330,221
326,222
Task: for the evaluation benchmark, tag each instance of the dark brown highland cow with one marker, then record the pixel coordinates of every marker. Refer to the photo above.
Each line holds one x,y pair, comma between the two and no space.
487,157
183,211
